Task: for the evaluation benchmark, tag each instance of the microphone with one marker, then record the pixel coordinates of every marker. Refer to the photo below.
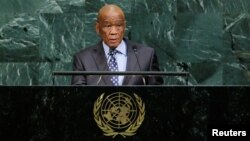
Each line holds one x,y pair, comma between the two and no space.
104,68
137,60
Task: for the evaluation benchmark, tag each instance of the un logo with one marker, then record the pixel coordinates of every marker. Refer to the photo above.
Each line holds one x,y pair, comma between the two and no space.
119,114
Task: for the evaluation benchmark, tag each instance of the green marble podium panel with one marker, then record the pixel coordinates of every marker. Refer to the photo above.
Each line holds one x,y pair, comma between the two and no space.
173,113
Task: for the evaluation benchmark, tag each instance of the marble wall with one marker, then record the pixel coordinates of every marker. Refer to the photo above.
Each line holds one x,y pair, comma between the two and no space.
208,38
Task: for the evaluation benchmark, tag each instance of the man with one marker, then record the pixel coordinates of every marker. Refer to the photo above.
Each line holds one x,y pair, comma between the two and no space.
115,53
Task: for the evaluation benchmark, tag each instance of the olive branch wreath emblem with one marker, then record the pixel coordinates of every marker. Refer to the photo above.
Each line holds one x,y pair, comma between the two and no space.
108,131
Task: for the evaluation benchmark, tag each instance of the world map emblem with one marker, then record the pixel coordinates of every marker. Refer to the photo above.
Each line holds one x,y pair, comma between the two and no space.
119,114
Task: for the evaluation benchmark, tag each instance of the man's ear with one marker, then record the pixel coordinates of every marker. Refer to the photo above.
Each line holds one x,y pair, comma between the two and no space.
97,27
125,24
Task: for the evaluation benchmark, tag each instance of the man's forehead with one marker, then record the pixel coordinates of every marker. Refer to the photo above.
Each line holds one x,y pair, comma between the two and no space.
110,9
112,15
113,20
111,12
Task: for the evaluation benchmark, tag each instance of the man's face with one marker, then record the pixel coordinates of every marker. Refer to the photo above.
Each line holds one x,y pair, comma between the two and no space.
111,28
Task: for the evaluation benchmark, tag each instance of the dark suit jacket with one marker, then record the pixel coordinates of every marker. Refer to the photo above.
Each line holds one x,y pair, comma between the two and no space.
93,59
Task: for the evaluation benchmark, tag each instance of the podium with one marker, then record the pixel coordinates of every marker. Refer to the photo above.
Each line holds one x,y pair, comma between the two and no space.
171,113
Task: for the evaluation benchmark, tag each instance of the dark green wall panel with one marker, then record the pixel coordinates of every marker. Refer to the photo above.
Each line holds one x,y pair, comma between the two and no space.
208,38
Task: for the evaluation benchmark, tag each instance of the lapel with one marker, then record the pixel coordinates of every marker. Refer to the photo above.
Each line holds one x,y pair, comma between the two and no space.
131,61
101,63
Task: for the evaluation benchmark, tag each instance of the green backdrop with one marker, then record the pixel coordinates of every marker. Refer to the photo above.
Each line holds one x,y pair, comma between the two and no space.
208,38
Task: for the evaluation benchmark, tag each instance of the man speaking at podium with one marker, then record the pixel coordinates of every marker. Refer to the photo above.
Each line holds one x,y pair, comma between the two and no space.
115,53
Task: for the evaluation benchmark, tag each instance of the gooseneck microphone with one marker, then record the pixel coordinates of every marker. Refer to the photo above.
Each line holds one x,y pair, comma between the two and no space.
104,68
137,60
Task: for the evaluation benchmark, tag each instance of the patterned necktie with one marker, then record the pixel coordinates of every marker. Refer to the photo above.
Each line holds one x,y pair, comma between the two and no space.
113,66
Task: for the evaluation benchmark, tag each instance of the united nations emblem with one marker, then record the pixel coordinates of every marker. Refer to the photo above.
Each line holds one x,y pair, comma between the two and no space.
119,114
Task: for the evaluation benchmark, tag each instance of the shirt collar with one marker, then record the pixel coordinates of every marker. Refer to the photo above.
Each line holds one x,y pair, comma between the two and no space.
121,48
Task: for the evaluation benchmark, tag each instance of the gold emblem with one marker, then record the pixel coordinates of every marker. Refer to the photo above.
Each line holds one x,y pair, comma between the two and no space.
119,114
